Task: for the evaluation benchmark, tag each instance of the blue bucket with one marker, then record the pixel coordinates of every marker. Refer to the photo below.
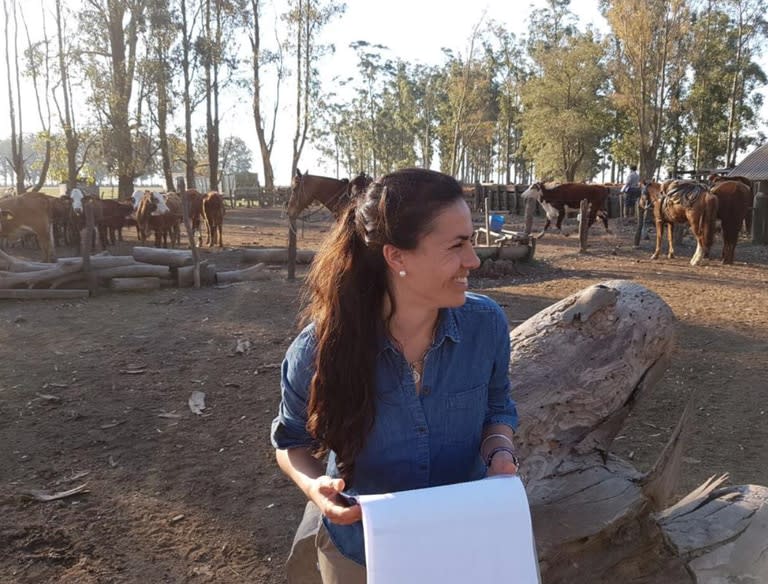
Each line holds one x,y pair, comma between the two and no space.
497,222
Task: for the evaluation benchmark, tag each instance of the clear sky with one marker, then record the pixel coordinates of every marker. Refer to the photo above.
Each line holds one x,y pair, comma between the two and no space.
415,30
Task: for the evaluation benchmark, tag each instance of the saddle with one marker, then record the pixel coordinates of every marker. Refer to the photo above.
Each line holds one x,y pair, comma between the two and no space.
681,192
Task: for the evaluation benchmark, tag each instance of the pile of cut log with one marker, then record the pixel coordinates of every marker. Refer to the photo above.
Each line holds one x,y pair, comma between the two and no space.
147,269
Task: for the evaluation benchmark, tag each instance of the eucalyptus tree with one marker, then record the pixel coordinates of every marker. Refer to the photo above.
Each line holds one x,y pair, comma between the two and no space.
217,49
466,110
262,59
510,74
750,31
653,52
38,66
376,73
161,34
110,32
13,78
305,19
707,101
565,116
186,57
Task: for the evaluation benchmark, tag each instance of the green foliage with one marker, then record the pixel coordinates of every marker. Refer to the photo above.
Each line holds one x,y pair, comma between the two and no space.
566,112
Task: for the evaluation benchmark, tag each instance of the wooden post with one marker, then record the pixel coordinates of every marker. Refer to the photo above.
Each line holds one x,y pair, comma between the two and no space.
760,219
185,208
642,215
86,237
530,207
487,222
583,225
291,248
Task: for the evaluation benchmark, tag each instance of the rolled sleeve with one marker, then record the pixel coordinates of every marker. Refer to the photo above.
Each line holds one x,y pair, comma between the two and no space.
289,428
501,407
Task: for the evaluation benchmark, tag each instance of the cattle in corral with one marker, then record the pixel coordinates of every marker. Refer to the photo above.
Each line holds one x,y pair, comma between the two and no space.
110,217
213,214
136,198
195,212
64,221
33,212
554,198
734,204
159,213
175,217
680,201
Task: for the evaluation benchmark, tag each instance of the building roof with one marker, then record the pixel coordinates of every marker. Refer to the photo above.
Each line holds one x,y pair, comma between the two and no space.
754,166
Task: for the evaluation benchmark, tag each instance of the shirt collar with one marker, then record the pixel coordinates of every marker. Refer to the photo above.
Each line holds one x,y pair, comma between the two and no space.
447,328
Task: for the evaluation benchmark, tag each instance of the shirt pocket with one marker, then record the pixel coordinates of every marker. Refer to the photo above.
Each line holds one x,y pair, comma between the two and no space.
465,415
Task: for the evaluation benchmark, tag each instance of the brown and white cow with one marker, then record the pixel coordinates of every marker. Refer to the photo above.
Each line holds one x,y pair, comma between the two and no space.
161,213
554,198
213,214
29,212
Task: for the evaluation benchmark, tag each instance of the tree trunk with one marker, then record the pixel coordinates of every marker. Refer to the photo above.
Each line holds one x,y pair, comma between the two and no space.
265,146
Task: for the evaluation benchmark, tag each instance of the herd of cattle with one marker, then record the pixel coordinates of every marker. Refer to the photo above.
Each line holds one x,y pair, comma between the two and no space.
58,221
724,199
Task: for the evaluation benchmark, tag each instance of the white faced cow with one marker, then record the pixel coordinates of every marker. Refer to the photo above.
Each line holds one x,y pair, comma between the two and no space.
554,198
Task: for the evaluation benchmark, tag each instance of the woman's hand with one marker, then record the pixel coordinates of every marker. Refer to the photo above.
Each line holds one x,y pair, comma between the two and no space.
502,463
324,492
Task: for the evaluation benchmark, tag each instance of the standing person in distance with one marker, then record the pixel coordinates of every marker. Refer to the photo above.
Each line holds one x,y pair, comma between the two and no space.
401,375
631,190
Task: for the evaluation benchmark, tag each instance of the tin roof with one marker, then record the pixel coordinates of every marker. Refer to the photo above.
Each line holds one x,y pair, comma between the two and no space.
754,166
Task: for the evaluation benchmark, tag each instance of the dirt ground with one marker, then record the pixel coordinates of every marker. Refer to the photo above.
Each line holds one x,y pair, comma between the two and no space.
95,392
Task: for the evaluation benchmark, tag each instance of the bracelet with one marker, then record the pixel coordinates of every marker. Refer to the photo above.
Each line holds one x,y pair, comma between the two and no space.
495,451
507,438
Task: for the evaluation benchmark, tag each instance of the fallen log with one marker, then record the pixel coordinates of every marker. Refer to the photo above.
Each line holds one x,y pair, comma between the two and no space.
10,263
174,258
246,275
134,284
30,279
185,276
577,369
275,255
134,271
42,294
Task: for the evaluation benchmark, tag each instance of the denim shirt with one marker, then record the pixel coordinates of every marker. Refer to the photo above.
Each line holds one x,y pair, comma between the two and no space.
418,440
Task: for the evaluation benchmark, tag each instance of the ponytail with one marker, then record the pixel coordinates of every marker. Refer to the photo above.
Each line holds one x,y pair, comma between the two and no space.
346,286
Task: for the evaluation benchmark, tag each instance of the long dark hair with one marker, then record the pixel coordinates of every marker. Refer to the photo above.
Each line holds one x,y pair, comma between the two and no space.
346,290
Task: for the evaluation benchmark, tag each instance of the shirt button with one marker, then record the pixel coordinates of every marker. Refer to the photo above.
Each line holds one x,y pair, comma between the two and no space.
422,467
425,390
421,429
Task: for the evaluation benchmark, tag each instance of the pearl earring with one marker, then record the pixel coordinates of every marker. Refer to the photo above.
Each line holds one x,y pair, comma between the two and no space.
402,273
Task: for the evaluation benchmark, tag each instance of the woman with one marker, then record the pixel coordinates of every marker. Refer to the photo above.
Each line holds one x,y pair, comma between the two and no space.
401,375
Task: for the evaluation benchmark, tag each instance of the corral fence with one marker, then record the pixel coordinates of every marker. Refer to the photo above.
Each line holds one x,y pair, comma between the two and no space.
244,189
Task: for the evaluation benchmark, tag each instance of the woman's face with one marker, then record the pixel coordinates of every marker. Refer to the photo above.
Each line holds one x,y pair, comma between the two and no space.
437,270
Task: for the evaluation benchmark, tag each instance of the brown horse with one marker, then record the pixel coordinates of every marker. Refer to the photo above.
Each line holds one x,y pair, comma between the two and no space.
679,201
334,193
734,202
715,179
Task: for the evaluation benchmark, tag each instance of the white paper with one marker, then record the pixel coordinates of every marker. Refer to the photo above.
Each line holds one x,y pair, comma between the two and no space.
476,532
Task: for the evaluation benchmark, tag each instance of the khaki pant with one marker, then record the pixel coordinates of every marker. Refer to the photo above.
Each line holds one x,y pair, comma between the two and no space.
334,567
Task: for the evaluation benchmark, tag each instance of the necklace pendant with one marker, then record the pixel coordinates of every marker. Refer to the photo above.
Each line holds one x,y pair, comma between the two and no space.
416,376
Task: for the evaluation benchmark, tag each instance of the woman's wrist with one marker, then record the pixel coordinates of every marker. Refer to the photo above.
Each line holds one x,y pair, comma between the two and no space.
503,451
